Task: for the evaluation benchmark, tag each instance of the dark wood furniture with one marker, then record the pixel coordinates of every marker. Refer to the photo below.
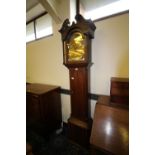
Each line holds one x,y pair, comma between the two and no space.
110,131
106,100
28,149
76,39
119,90
43,108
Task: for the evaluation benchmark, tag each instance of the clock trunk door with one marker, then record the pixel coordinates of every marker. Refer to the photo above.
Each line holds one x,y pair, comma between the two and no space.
79,93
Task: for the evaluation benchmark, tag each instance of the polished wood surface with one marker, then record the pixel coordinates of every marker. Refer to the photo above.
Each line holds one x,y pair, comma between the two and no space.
79,93
119,79
38,89
119,90
80,120
43,107
110,131
106,100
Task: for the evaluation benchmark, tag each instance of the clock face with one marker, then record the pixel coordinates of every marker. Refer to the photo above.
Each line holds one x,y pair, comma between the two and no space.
77,47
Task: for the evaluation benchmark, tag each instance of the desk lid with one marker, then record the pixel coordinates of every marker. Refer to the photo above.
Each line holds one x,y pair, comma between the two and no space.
110,131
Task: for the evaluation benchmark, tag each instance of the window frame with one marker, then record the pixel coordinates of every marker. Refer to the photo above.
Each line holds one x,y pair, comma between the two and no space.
34,24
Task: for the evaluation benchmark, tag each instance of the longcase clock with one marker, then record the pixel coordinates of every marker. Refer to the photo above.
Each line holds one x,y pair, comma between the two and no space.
76,39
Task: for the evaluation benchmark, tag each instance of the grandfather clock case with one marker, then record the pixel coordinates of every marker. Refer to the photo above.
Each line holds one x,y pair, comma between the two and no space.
76,39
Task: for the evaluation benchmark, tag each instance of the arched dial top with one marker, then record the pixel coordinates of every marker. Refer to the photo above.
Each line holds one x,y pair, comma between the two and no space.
76,38
76,47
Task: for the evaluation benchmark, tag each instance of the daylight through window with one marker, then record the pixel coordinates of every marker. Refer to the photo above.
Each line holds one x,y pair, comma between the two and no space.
39,28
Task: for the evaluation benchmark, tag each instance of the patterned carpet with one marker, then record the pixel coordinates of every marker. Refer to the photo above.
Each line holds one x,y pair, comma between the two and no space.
56,144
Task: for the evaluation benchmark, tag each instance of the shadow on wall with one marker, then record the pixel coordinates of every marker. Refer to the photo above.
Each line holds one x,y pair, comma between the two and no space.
123,65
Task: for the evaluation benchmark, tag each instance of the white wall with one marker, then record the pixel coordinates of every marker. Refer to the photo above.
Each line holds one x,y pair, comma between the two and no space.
45,61
110,53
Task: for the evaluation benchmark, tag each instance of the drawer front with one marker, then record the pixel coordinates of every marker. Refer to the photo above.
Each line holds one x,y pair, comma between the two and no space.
120,99
124,85
119,91
32,108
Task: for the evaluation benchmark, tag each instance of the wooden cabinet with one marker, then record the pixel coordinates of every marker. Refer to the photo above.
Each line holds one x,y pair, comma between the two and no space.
119,91
43,108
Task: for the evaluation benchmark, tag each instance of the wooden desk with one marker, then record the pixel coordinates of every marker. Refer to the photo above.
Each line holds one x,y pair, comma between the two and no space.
110,130
106,100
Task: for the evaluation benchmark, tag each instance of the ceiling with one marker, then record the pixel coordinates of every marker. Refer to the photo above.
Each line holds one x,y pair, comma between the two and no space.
34,8
30,4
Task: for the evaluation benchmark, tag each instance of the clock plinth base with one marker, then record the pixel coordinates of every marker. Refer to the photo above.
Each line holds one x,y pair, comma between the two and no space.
79,131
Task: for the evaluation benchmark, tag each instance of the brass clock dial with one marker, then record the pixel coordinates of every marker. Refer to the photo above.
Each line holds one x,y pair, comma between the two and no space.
76,47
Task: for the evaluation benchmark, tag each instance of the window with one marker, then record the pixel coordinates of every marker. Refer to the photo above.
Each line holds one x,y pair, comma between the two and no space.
30,32
39,28
107,10
43,26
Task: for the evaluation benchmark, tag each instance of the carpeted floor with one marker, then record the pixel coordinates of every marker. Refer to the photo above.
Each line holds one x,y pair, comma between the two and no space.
57,144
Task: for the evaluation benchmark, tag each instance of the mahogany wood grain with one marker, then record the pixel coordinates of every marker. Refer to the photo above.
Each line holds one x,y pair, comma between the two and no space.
106,100
119,90
79,121
110,131
43,107
79,93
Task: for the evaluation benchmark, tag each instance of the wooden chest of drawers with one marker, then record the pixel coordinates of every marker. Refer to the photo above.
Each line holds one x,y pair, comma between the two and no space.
119,91
43,108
